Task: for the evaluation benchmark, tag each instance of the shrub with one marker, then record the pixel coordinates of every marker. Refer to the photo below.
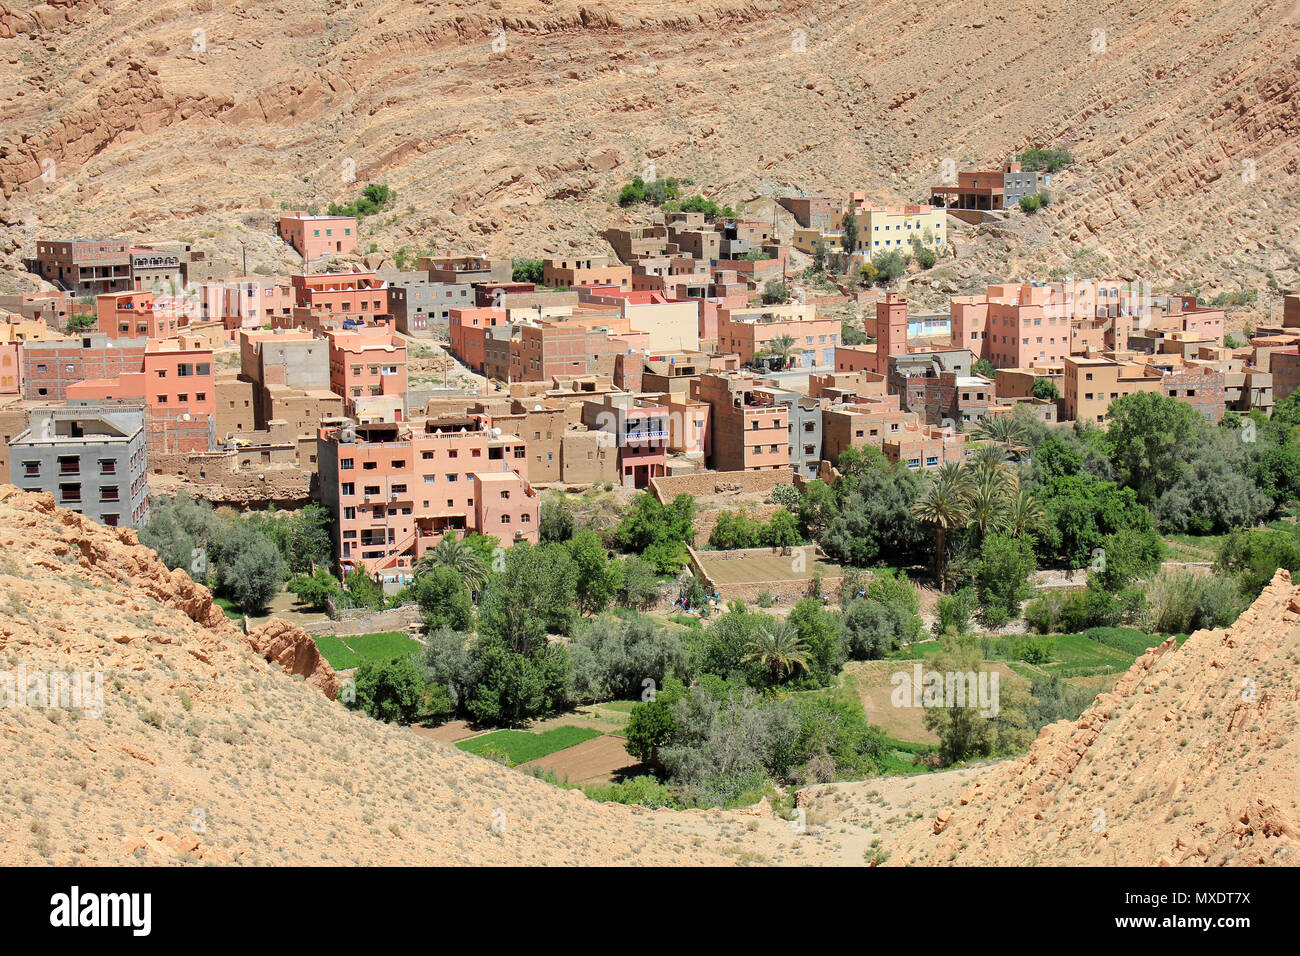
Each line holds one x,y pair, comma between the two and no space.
390,690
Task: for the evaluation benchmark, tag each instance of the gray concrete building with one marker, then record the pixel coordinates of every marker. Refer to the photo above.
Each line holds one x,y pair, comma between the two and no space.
92,459
804,430
428,302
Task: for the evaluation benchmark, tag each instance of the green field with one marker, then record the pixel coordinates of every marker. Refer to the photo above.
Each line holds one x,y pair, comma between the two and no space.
520,746
228,606
344,653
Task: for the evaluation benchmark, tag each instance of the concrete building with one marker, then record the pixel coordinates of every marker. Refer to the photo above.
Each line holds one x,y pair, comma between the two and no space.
813,212
753,330
638,428
366,364
176,386
1091,384
587,271
84,266
397,489
156,269
466,270
316,236
989,190
747,431
93,460
428,303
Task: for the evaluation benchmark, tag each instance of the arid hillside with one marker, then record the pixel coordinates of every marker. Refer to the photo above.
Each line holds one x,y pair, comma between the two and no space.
508,126
207,745
1192,760
205,752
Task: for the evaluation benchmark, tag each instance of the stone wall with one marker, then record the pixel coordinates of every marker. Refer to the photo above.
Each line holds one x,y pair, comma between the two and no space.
719,482
352,621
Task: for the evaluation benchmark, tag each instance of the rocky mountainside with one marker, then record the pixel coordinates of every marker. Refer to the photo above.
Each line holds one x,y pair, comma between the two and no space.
1192,760
508,126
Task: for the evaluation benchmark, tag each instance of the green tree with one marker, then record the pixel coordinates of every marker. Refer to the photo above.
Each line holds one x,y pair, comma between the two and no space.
965,732
390,690
821,631
514,687
526,270
875,522
849,236
444,600
461,556
1147,437
1002,578
658,533
556,521
779,649
315,589
1045,389
597,578
640,587
775,292
651,726
944,505
534,595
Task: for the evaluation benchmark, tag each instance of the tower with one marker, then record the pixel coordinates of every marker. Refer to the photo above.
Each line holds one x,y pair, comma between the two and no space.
891,330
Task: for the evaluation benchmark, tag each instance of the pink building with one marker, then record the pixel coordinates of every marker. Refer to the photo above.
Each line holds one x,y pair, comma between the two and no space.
349,296
397,489
315,236
366,363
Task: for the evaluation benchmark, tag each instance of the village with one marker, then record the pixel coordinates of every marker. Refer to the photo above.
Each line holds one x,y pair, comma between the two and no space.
684,353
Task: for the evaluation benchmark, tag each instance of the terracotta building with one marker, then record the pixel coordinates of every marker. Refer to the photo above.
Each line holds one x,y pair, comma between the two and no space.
397,489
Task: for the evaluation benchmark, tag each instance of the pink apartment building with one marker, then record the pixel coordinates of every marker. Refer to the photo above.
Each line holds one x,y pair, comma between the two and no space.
367,363
396,489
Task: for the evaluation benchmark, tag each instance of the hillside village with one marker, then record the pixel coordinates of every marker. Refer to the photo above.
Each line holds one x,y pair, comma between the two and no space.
544,510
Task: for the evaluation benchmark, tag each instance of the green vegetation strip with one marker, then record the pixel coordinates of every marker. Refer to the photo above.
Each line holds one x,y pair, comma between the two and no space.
521,746
344,653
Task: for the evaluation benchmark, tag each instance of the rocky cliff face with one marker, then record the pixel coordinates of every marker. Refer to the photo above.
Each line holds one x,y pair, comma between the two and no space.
508,126
1191,760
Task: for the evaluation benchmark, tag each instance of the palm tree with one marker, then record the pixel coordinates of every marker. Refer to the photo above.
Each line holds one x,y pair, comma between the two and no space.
945,504
1009,431
783,345
988,493
779,648
457,554
988,455
1023,514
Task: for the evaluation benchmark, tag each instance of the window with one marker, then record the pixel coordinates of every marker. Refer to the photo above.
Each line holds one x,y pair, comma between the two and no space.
369,466
32,469
108,493
345,464
347,489
107,466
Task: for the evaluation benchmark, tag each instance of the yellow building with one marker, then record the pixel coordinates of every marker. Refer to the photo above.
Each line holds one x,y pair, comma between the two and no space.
884,228
881,229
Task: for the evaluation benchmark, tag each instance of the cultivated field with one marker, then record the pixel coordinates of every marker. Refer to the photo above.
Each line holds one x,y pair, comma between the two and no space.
764,566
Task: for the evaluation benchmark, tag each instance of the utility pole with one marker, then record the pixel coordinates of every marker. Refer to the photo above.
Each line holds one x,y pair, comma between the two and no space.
244,245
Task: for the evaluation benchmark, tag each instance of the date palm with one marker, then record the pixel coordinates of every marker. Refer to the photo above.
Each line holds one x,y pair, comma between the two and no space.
457,554
1023,514
778,647
945,506
989,493
1009,431
784,346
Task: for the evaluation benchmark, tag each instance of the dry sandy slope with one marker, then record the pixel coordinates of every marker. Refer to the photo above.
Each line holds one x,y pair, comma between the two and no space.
1185,117
1193,759
199,729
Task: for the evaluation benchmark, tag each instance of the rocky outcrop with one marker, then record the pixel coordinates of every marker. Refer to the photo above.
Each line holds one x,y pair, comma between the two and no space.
294,650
